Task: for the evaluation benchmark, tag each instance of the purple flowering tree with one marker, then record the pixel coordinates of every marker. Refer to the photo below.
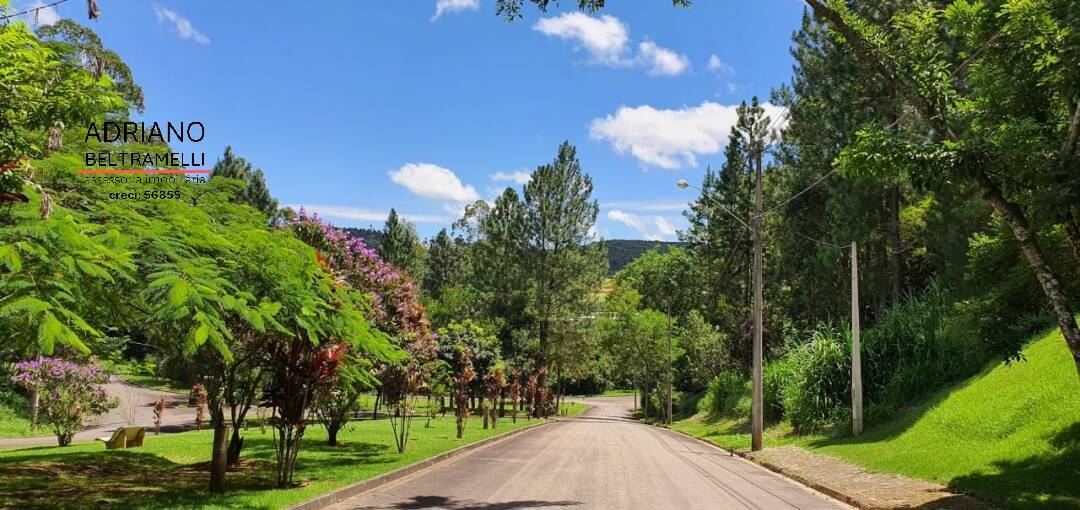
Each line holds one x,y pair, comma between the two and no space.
72,392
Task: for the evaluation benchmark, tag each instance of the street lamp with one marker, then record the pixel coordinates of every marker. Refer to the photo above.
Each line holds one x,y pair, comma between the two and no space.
756,414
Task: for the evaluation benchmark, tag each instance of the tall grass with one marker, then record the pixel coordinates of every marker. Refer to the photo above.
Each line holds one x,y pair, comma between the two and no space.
917,347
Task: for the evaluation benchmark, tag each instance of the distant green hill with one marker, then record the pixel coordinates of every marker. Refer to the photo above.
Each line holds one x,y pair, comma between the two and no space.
371,237
621,252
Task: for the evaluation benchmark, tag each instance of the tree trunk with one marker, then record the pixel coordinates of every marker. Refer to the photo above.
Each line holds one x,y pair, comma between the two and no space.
331,435
236,444
219,458
1059,302
896,260
375,411
35,403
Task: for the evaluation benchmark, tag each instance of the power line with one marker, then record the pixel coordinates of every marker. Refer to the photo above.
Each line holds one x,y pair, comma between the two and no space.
797,195
32,9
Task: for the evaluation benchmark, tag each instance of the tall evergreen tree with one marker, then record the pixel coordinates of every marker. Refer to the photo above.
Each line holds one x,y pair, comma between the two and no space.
255,191
559,213
401,246
446,263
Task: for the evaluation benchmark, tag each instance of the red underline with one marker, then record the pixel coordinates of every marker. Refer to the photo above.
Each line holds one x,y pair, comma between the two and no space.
138,171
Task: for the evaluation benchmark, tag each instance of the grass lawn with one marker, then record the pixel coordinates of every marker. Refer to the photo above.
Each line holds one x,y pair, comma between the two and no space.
1010,435
171,471
14,421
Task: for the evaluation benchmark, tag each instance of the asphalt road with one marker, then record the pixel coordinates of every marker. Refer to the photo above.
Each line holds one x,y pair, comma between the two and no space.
136,408
599,460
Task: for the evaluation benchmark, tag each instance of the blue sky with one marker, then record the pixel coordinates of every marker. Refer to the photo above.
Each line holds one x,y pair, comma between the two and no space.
351,108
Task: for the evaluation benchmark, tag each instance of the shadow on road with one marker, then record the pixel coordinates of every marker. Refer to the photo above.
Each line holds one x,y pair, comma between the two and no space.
444,502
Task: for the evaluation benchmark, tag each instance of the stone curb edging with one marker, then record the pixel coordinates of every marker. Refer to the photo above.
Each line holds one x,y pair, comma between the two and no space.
824,489
349,491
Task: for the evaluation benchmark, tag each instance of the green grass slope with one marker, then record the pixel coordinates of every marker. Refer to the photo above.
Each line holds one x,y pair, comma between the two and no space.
1010,434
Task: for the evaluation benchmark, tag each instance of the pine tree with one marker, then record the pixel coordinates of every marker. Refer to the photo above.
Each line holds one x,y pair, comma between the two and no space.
401,246
559,213
255,191
445,264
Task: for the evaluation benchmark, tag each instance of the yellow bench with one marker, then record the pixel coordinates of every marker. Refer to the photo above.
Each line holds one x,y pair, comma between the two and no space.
124,437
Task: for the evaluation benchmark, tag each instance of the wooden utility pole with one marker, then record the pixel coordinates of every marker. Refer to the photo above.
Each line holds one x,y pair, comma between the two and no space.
757,422
856,357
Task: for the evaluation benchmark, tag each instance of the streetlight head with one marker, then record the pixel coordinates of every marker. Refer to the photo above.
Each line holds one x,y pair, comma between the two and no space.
682,184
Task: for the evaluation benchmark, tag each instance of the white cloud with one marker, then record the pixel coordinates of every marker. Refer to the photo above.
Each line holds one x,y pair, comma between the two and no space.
344,212
183,26
520,176
605,38
433,181
652,228
607,41
631,220
664,227
719,66
661,61
43,17
452,6
670,139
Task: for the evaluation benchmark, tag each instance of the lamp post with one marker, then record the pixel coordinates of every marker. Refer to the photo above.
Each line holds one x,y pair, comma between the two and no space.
756,413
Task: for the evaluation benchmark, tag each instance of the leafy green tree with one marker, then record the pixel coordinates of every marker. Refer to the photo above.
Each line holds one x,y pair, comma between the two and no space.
401,246
45,91
74,41
499,271
254,191
989,125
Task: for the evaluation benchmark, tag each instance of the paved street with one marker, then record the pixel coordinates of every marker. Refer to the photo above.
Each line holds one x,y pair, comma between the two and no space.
136,404
599,460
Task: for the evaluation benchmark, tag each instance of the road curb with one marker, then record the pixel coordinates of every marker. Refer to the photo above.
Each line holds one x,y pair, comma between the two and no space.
349,491
824,489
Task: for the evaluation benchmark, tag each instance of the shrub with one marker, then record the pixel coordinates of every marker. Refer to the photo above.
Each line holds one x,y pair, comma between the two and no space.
819,388
723,393
915,348
776,374
69,393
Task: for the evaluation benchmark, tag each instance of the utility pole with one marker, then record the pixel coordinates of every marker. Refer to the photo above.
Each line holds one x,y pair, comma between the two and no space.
856,357
671,376
757,422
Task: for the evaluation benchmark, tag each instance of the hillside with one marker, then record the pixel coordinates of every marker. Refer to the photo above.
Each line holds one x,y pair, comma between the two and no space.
1010,434
621,252
371,237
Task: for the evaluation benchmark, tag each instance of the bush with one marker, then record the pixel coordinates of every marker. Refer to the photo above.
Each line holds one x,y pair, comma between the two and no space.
818,390
658,402
69,393
722,395
776,374
915,348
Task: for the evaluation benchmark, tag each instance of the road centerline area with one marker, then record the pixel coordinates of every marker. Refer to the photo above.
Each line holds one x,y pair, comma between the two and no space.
602,459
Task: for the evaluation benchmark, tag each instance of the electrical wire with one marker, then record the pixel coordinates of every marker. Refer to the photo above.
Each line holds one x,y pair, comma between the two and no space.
32,9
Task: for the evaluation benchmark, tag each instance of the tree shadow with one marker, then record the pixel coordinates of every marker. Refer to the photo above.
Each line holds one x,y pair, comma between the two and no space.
121,478
420,502
1041,481
345,453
